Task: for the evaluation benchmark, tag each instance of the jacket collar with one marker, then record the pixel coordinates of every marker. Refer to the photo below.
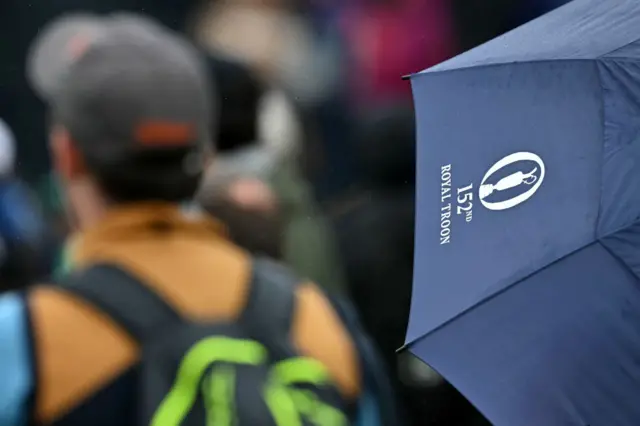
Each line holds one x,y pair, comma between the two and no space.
124,224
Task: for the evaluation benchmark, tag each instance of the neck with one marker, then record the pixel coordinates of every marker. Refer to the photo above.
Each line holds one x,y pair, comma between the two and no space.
88,206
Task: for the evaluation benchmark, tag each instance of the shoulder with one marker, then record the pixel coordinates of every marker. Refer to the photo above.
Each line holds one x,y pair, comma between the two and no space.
80,350
319,332
14,328
15,360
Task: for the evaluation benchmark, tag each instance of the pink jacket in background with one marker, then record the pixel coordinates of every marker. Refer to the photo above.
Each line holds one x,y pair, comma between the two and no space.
389,39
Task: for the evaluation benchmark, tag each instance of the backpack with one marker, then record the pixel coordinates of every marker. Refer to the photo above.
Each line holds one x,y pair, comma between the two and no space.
244,372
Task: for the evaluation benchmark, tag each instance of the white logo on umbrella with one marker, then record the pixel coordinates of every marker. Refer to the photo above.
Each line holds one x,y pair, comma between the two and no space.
532,178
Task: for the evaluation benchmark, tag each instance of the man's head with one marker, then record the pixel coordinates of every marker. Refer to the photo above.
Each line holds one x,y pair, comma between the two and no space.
130,106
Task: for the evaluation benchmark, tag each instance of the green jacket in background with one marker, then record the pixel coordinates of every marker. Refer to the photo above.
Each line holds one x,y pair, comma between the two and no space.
309,246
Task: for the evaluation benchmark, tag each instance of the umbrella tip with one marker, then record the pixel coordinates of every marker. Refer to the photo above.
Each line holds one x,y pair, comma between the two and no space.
406,77
402,348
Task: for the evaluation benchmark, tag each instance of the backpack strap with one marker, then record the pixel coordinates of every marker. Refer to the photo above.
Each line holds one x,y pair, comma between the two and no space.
272,300
131,304
375,377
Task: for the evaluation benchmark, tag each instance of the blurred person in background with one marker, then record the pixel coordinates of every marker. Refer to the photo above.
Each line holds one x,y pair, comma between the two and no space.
24,241
286,51
153,287
53,204
375,231
247,205
20,22
276,42
249,209
259,136
387,39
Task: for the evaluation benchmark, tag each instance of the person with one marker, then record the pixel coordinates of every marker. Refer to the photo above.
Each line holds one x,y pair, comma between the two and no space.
383,216
24,241
159,319
252,214
259,135
20,22
390,38
386,203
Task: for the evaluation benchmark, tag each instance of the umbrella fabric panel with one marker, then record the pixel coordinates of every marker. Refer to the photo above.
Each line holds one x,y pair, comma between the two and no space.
623,245
581,29
467,121
559,349
620,80
628,51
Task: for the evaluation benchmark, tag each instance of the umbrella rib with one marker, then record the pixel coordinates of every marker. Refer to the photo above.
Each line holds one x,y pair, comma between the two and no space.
491,297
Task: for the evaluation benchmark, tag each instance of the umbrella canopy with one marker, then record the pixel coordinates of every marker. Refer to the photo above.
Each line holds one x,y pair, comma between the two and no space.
526,287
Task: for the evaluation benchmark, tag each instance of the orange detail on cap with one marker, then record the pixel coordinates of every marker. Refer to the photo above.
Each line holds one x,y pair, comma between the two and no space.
78,45
164,133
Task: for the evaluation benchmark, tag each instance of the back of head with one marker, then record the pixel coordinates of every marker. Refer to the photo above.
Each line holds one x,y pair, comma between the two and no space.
134,98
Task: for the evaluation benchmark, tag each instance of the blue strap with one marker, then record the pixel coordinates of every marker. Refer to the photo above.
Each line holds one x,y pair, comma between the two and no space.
16,370
377,386
368,412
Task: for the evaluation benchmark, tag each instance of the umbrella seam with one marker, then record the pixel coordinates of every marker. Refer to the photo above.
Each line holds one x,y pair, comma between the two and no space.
602,153
617,49
510,286
498,64
617,258
501,64
493,296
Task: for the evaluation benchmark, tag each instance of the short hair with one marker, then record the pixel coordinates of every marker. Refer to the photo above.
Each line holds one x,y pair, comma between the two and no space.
151,175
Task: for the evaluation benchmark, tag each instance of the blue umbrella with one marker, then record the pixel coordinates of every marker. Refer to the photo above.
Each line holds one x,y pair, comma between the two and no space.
526,291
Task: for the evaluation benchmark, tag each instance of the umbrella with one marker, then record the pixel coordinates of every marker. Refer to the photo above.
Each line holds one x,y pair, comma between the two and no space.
526,288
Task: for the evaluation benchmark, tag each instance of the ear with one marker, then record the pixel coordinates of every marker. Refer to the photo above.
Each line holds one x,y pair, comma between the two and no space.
208,161
67,159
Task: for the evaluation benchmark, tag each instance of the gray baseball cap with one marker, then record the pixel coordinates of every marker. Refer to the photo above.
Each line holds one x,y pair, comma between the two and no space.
134,96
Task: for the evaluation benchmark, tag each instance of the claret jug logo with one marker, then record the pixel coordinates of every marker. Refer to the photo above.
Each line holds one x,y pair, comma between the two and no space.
511,181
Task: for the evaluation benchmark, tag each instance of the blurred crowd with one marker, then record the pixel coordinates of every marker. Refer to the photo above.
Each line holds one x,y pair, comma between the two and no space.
315,161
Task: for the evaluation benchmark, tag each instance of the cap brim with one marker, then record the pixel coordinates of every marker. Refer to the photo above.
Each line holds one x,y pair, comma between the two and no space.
56,47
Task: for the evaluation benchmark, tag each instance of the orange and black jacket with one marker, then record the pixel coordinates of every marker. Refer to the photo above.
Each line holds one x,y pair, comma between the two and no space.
68,364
